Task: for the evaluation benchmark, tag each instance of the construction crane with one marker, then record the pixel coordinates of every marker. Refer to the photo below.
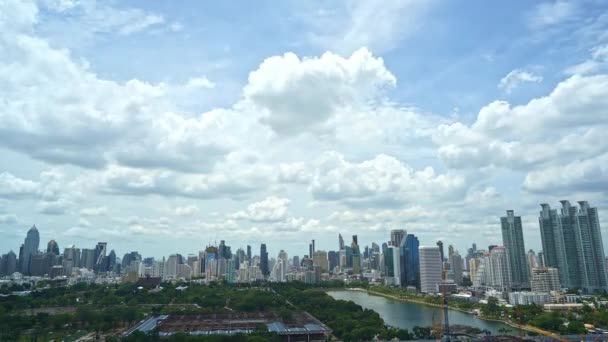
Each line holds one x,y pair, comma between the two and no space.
441,328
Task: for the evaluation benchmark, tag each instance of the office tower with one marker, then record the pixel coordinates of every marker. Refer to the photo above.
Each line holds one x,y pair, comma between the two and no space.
264,261
545,279
340,242
296,262
440,245
310,250
348,254
531,260
430,268
111,262
572,243
249,253
397,236
499,269
319,258
30,247
184,271
333,258
128,259
190,260
342,258
283,259
513,240
410,261
100,256
38,264
52,247
450,251
389,264
456,267
396,262
8,266
356,256
171,267
540,260
474,247
222,250
473,267
313,247
87,258
71,259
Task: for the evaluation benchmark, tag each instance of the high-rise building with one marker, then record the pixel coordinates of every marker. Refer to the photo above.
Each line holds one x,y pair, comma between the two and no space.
171,267
531,260
100,256
249,253
456,267
397,236
410,261
572,243
545,279
473,267
320,259
450,251
499,270
30,247
87,259
333,258
8,264
71,259
283,259
440,246
264,261
513,240
340,242
430,268
52,247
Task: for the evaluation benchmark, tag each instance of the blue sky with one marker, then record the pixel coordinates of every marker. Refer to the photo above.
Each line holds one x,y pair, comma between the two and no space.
162,128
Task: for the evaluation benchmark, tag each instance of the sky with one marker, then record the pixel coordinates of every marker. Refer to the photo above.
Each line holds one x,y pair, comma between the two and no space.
163,127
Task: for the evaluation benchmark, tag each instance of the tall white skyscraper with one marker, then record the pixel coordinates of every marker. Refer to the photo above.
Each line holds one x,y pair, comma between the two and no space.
430,268
499,270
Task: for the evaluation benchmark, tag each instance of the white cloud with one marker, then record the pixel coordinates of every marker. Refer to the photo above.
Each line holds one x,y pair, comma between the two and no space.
515,78
12,187
597,61
94,211
300,95
200,83
188,210
271,209
590,175
351,25
552,12
549,129
381,181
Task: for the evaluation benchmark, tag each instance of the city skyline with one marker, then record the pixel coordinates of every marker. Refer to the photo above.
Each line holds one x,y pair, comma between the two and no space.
166,128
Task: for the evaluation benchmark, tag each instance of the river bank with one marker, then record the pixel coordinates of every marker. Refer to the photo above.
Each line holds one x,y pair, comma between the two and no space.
506,322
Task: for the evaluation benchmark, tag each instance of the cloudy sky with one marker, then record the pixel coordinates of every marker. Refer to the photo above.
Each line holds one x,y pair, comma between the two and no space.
163,128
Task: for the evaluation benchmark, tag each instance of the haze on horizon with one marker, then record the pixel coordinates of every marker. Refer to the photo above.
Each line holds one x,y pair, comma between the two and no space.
163,128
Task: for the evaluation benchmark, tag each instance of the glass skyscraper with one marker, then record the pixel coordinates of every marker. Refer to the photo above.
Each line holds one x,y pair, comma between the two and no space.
513,240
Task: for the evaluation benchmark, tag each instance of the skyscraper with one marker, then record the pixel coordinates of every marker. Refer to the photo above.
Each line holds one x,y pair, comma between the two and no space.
430,268
100,256
456,267
590,249
513,240
8,265
440,245
249,253
340,242
397,236
52,247
30,246
572,243
410,261
264,260
320,259
499,270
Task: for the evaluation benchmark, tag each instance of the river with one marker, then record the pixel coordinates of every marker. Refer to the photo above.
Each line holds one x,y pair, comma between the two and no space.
408,315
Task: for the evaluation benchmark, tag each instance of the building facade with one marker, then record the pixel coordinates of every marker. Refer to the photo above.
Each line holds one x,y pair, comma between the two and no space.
430,268
513,240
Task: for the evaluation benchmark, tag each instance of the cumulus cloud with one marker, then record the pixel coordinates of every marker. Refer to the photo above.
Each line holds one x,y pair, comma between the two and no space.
271,209
548,129
300,95
188,210
515,78
381,181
